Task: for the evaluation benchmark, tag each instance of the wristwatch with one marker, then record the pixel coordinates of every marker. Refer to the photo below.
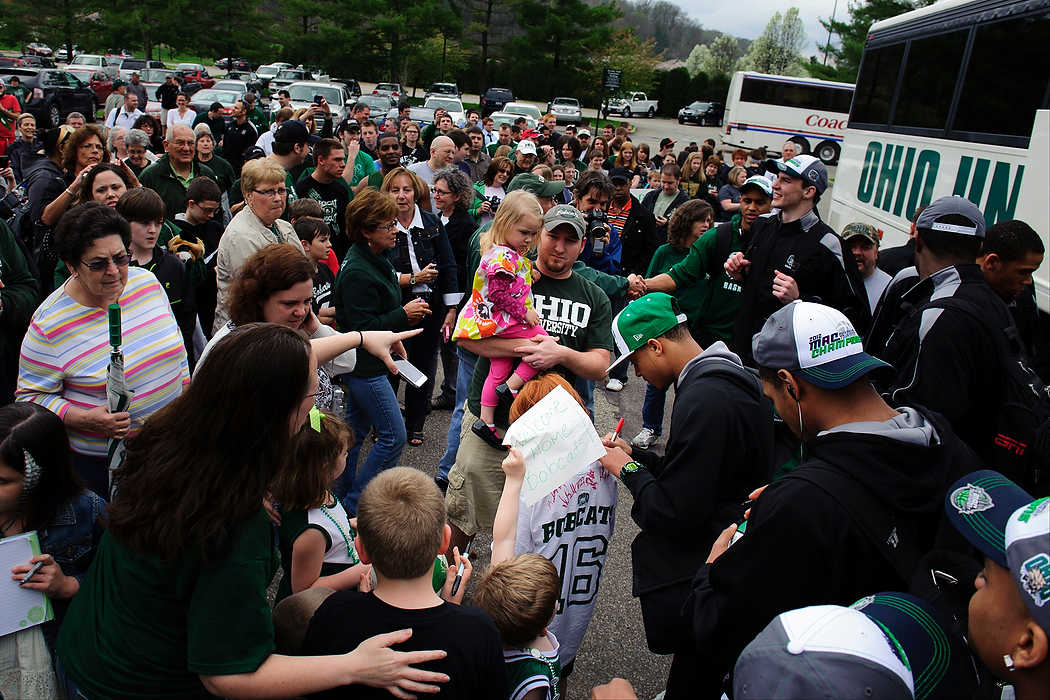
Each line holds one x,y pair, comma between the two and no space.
629,468
412,278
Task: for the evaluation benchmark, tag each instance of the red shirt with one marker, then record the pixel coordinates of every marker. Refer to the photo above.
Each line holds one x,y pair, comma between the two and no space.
10,103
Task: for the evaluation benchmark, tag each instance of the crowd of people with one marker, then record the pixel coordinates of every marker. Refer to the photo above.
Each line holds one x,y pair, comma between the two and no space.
872,425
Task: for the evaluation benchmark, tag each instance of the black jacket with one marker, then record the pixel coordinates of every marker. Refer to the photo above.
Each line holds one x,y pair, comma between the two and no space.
459,229
431,245
639,239
714,458
809,251
166,94
649,202
172,275
802,546
893,260
945,358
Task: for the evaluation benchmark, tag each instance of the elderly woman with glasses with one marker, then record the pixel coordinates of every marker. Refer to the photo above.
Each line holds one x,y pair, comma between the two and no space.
254,227
136,141
65,354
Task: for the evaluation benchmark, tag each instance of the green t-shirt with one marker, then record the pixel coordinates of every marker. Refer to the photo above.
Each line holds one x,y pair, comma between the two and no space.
690,297
719,295
364,166
143,628
574,310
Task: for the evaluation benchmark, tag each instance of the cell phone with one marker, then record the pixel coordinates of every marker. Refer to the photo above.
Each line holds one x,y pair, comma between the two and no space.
318,99
409,372
4,161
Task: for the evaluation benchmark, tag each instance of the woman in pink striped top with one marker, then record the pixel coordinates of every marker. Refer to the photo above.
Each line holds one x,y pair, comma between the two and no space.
65,353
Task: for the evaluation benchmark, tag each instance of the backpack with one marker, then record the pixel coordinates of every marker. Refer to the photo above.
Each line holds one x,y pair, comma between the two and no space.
1020,447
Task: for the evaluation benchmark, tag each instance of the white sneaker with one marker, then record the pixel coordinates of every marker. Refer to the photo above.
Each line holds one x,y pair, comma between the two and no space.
645,438
614,385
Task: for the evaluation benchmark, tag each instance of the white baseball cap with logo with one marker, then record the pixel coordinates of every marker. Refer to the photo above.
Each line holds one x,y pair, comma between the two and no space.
816,341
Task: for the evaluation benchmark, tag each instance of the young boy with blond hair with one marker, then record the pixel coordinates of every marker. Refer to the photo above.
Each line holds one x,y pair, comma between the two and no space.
401,528
521,594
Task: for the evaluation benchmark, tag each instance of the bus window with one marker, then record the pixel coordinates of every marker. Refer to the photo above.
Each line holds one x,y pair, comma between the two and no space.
929,80
840,100
1006,79
805,97
875,86
760,91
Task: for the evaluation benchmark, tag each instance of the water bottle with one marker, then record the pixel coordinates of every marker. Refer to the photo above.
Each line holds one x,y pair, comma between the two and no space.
338,400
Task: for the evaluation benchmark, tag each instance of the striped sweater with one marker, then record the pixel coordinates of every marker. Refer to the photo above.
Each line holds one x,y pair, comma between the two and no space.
65,355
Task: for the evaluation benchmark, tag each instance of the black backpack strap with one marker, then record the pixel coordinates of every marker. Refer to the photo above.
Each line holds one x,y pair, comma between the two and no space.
896,538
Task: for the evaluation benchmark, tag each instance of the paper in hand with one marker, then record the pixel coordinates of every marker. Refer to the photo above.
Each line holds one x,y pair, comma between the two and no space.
557,439
20,607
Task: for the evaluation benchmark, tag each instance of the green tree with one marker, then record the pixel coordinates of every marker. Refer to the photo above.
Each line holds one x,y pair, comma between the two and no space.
58,22
554,52
778,50
851,34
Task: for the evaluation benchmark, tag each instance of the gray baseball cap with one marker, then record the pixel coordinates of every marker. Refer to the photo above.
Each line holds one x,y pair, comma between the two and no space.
933,215
823,651
816,341
565,214
808,168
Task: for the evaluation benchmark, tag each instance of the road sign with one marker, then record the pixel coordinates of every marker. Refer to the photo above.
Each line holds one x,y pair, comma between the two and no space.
611,78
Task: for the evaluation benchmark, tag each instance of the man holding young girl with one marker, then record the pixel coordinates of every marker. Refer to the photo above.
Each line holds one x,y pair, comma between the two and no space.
576,315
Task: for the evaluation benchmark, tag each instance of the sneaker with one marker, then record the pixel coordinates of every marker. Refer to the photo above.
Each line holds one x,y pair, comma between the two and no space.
645,438
488,435
614,385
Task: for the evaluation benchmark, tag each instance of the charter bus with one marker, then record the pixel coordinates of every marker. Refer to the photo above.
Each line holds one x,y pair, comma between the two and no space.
768,110
953,98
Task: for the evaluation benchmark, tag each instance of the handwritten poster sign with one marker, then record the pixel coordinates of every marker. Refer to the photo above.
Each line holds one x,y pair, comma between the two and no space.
557,439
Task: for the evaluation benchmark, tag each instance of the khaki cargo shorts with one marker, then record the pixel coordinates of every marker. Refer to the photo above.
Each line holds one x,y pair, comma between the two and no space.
475,482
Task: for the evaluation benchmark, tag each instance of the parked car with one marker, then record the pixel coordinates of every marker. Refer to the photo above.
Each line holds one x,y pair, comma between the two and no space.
633,103
524,109
63,53
420,115
240,64
85,64
195,73
702,113
320,74
378,103
137,65
204,99
53,94
566,109
267,73
443,90
100,84
336,95
351,83
39,49
38,62
12,62
493,100
509,117
451,105
393,90
248,78
287,76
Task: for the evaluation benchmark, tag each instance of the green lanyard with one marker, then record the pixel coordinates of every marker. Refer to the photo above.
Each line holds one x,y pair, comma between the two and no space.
276,233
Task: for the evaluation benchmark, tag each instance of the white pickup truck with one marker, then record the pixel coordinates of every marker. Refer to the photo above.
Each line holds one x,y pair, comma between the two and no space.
633,103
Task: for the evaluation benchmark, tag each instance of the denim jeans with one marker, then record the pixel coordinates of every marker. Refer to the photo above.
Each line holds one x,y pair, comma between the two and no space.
464,374
369,402
653,408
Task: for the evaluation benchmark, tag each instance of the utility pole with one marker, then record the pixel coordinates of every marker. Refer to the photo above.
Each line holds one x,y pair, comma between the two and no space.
827,47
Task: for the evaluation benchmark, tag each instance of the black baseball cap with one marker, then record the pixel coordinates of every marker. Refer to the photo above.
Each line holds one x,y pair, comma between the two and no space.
291,131
620,173
664,143
348,125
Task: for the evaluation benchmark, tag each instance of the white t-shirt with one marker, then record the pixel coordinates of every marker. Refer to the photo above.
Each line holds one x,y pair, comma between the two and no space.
875,285
174,118
499,193
572,527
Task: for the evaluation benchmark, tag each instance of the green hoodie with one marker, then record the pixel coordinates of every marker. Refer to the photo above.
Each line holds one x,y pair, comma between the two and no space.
718,296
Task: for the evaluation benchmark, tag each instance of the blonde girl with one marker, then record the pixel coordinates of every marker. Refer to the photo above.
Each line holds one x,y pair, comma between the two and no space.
501,302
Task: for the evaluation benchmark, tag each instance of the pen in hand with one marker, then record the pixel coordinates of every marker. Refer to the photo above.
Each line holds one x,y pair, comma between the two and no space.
459,569
32,572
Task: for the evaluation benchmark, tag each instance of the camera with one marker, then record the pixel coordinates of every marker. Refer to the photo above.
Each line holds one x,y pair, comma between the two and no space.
494,202
597,230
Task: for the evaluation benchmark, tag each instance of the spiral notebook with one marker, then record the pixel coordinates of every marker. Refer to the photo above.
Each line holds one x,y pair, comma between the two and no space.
20,607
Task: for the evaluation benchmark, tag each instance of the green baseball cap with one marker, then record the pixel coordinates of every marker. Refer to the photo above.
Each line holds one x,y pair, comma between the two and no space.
536,185
644,318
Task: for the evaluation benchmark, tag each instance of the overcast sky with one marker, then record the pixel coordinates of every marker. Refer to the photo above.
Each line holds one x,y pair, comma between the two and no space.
747,20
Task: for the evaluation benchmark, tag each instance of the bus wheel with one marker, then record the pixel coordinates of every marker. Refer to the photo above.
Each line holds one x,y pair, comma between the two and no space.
828,152
803,144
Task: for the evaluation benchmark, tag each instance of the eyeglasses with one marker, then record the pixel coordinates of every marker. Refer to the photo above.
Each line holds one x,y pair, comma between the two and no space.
435,190
182,143
392,226
279,192
102,265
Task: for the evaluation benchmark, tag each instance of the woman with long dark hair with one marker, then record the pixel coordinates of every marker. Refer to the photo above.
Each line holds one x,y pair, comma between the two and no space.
175,603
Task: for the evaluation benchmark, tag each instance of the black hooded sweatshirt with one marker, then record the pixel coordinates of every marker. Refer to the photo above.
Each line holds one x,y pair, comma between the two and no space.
802,546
